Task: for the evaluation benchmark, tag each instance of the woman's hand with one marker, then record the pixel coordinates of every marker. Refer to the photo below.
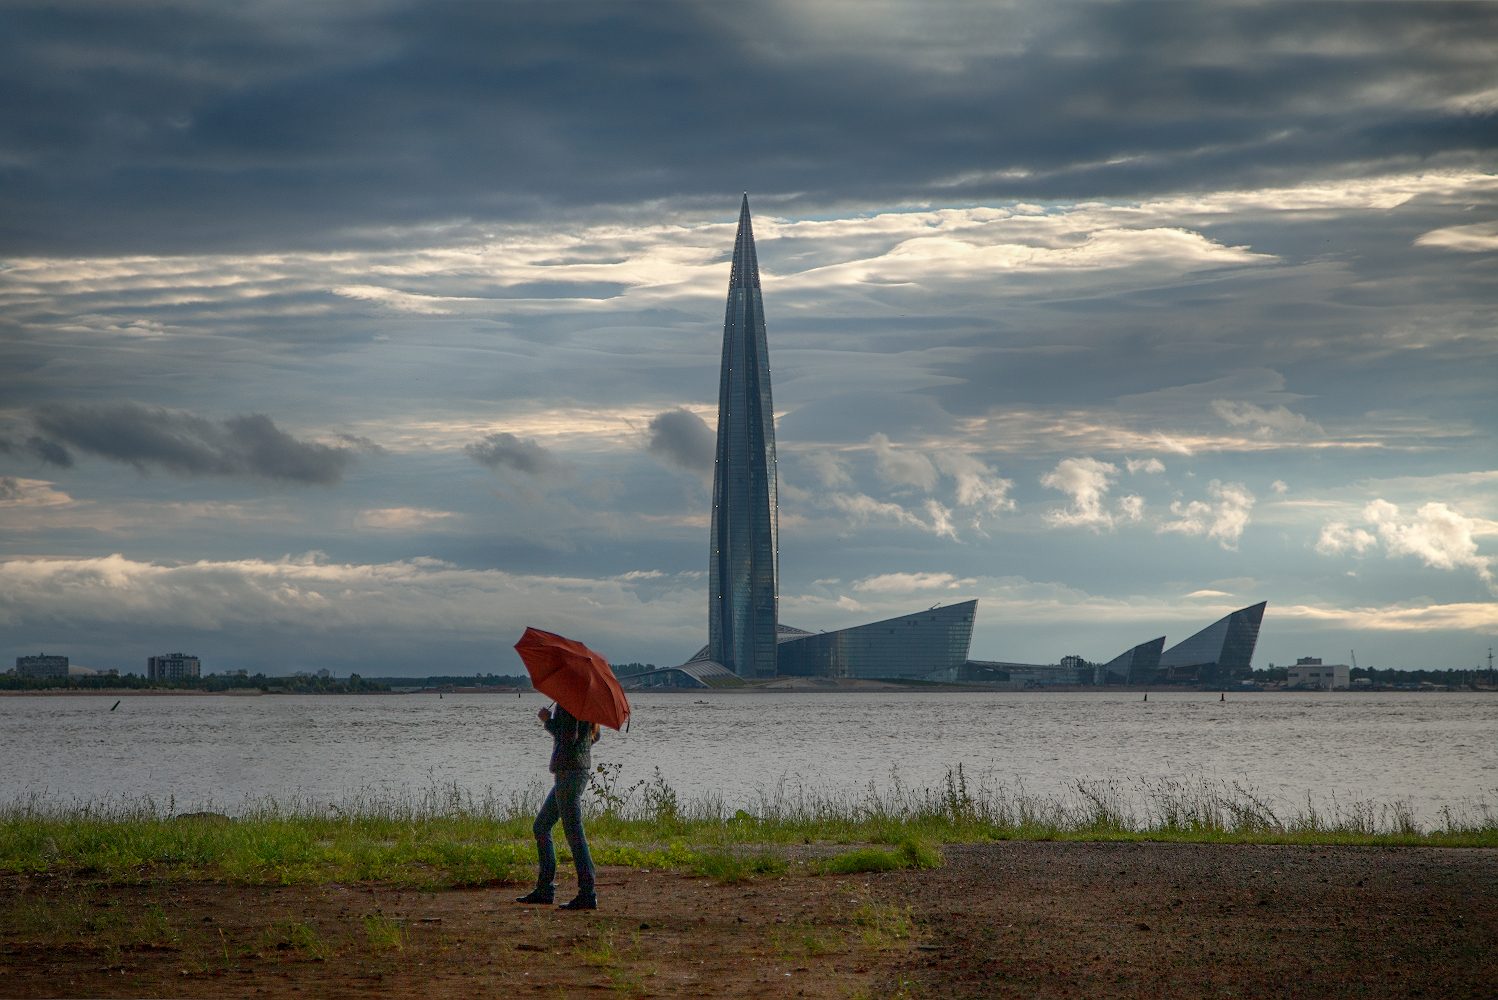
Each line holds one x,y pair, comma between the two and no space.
544,715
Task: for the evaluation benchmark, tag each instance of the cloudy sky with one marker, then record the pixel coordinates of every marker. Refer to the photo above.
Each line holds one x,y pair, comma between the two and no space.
362,335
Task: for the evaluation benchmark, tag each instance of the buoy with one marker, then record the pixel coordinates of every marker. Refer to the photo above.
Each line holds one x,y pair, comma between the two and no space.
1224,696
1146,696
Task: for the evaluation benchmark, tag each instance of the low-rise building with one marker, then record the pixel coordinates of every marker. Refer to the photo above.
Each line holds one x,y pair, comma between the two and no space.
1310,672
41,665
172,667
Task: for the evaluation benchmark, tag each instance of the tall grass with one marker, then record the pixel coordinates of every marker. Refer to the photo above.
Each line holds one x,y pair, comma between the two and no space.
447,836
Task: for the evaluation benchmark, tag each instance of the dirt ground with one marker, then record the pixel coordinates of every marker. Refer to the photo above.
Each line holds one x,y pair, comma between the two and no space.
1019,919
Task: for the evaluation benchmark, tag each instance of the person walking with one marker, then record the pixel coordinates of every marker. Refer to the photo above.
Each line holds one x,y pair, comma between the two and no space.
571,759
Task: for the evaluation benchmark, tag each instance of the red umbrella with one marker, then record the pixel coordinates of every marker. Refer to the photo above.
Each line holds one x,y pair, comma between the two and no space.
574,677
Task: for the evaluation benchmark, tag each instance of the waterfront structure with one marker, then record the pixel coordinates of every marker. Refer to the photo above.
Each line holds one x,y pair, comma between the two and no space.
41,665
743,569
1310,672
930,644
1134,666
1219,653
172,667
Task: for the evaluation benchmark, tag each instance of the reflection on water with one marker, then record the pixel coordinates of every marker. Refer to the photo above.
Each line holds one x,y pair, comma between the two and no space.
1431,749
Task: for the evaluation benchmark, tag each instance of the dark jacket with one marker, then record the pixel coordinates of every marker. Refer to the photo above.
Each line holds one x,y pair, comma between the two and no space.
572,742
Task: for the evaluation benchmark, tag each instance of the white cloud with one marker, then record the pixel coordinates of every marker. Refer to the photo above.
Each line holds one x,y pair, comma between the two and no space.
1131,507
400,517
902,468
1280,486
347,610
829,468
1336,537
1480,237
1147,465
16,492
977,484
941,520
904,583
862,507
1438,536
1277,422
1087,481
1223,519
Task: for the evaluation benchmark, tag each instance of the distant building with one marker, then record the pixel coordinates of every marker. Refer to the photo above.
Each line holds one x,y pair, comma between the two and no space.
1133,666
1218,654
41,665
172,667
1310,672
930,644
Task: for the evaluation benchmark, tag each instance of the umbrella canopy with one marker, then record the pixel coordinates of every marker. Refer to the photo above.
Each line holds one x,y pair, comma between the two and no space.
574,677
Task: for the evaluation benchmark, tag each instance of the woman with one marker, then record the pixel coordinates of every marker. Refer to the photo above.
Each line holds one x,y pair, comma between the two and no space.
571,759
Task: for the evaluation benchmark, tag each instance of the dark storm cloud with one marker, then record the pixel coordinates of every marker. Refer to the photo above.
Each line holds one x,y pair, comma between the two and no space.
210,126
505,450
681,438
186,444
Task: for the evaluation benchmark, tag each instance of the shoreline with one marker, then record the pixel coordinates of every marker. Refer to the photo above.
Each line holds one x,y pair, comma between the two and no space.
799,685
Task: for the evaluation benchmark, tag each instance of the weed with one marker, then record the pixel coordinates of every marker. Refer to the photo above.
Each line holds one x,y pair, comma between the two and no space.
293,936
444,836
383,934
602,955
868,859
882,924
722,866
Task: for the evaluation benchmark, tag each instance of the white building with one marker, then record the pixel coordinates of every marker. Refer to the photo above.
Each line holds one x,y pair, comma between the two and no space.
1310,672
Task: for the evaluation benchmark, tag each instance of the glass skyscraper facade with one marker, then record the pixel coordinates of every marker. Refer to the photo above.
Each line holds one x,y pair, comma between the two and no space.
743,572
917,645
1221,652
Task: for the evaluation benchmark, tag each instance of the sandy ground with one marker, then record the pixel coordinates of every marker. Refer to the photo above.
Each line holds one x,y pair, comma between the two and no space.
998,920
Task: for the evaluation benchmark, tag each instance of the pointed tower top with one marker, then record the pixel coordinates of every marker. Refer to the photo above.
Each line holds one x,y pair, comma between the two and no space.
745,271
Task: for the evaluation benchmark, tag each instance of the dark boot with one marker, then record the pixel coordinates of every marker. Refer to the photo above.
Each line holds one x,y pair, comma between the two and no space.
539,894
582,901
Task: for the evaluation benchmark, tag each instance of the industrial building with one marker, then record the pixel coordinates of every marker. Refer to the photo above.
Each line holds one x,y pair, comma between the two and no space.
41,665
172,667
1309,672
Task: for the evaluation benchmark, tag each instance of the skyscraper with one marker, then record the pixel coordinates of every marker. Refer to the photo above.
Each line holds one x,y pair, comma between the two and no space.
744,577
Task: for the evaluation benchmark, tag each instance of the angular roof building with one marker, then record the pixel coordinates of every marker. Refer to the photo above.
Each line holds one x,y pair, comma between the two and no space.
1220,652
918,645
1134,665
743,568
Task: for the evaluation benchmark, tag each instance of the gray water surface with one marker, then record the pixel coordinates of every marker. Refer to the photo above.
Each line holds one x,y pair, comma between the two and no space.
1427,749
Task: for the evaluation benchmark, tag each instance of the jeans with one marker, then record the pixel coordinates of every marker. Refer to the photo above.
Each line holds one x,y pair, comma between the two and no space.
565,803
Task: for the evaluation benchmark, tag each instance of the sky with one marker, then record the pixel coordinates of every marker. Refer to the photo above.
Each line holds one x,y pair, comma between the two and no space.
364,335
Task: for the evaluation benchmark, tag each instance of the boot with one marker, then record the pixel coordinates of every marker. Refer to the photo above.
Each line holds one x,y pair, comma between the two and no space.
584,900
540,894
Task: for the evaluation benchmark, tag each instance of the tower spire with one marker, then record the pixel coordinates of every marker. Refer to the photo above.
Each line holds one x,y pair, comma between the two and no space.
744,577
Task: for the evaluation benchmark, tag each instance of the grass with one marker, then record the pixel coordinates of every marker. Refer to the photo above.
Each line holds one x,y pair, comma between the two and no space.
383,934
445,838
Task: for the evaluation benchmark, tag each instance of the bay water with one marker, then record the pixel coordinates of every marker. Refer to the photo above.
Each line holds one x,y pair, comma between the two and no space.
1427,750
